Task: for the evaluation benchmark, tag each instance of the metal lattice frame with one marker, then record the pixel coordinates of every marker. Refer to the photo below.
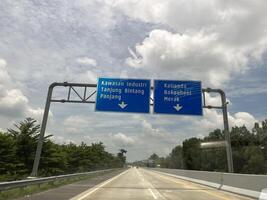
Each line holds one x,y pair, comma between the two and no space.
87,97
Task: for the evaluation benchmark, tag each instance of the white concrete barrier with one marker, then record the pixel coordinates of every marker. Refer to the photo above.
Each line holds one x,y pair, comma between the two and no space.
263,195
244,184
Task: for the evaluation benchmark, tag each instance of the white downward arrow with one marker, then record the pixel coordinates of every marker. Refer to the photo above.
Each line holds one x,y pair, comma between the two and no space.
178,107
122,105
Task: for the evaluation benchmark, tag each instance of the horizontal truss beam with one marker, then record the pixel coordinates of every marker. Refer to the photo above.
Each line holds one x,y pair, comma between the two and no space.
87,97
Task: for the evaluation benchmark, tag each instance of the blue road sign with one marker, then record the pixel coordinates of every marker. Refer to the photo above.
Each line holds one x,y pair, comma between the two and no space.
123,95
177,97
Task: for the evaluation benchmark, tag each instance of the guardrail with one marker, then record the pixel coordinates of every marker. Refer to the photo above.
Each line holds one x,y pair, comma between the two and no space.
245,184
24,183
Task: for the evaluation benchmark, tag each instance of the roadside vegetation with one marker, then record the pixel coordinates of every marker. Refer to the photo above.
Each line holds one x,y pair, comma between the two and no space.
249,152
17,151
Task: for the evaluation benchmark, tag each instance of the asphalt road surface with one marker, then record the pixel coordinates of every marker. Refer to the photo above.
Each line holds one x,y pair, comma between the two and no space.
68,191
142,184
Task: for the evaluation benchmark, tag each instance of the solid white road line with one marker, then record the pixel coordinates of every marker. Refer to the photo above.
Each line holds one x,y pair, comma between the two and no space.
154,196
155,193
95,188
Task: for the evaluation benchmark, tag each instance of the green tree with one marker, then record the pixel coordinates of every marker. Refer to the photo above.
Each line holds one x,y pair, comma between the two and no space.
53,160
17,151
121,156
192,153
255,162
176,158
214,159
249,151
154,157
25,136
8,160
260,133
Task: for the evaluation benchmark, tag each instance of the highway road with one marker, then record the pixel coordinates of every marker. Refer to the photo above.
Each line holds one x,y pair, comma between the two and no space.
143,184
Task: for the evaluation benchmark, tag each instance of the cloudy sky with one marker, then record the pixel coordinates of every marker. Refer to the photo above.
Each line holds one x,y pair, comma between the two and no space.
222,43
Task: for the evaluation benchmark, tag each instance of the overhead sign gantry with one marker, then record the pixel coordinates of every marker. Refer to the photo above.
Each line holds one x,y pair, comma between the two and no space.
184,97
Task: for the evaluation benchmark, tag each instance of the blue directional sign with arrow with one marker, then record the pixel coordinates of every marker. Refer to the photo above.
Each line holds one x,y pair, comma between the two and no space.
177,97
123,95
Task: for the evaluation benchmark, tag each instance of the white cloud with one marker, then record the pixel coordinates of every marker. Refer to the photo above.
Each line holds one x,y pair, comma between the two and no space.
211,40
75,124
198,56
179,14
87,61
152,132
88,77
62,140
48,39
13,103
122,139
237,22
4,76
159,136
88,118
119,132
242,118
84,70
252,90
213,119
37,113
76,121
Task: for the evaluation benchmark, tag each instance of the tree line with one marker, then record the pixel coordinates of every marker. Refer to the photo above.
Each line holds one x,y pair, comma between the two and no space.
249,149
18,146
